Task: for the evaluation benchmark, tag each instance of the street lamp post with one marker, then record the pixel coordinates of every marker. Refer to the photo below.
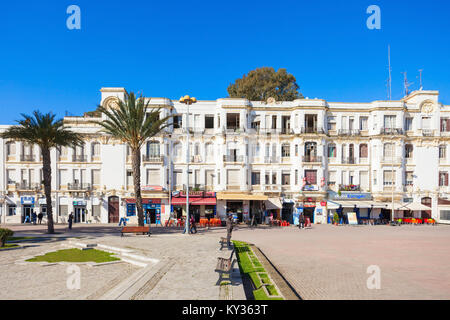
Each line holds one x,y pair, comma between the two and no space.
188,101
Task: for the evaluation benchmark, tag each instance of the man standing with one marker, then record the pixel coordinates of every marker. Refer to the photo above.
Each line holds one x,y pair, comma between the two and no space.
301,221
70,220
229,228
40,216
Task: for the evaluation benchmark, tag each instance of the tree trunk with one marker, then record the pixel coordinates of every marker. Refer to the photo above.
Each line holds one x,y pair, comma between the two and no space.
136,154
47,171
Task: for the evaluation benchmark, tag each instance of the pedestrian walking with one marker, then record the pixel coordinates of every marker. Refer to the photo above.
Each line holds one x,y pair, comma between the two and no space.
192,226
40,216
33,217
301,221
70,220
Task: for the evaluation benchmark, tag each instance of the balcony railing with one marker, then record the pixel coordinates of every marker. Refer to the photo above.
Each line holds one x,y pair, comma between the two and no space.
349,132
427,132
349,160
271,159
196,159
152,159
391,160
27,158
287,131
349,187
28,186
79,158
311,130
79,186
312,159
233,158
391,131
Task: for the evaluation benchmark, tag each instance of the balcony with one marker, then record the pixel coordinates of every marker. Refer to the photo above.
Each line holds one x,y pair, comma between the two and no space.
391,131
27,158
349,187
287,131
271,159
233,130
79,158
152,159
311,130
389,160
310,159
27,186
349,132
79,186
196,159
349,160
233,158
427,132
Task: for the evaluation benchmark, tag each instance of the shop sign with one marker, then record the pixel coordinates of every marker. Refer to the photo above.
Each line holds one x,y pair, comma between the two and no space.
27,200
152,188
350,196
311,188
307,204
42,201
323,203
79,203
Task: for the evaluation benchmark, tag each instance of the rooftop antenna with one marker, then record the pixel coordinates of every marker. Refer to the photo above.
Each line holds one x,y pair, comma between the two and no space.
389,82
406,84
420,79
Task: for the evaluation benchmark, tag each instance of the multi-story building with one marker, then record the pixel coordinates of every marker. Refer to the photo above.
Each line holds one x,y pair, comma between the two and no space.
247,157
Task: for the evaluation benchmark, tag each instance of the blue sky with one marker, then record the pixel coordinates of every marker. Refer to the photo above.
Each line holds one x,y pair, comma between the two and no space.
172,48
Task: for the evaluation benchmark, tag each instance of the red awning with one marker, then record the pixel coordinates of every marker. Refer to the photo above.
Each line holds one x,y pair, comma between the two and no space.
195,201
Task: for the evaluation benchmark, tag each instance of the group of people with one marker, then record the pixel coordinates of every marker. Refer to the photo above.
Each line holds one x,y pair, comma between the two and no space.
33,217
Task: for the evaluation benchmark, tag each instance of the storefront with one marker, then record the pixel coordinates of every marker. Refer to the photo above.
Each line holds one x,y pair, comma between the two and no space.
202,204
287,211
27,208
79,211
239,205
152,209
273,208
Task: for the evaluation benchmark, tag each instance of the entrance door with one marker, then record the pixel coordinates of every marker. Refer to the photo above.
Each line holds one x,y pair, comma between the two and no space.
286,212
113,209
80,215
152,214
26,213
309,213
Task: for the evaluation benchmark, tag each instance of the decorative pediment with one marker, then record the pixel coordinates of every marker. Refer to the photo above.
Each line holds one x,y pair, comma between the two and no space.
427,107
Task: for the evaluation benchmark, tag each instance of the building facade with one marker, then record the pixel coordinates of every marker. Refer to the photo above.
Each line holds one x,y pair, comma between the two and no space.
247,158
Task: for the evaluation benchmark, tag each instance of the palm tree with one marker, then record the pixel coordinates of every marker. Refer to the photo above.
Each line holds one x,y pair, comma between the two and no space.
47,133
131,123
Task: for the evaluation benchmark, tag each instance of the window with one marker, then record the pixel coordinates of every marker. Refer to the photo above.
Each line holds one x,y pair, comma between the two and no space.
296,150
177,150
445,124
442,152
409,178
129,178
232,120
11,176
389,121
11,210
408,151
256,178
364,180
153,177
95,177
388,178
267,178
331,123
95,149
332,178
256,151
332,150
445,214
285,150
363,123
153,149
426,123
388,150
443,179
374,177
296,177
408,123
363,151
274,122
209,122
285,179
11,148
274,178
311,176
177,122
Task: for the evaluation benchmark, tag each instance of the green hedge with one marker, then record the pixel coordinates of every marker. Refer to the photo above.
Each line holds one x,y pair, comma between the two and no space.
4,235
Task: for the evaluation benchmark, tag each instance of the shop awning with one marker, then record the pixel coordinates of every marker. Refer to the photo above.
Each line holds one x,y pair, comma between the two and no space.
397,206
415,206
332,205
9,201
195,201
240,196
273,203
144,200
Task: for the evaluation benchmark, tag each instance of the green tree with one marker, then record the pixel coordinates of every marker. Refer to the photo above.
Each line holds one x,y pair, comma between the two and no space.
263,83
46,132
133,124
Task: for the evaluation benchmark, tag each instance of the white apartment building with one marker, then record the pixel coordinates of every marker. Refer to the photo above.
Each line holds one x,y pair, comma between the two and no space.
247,158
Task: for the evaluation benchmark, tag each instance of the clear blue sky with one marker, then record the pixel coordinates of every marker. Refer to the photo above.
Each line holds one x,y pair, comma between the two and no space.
172,48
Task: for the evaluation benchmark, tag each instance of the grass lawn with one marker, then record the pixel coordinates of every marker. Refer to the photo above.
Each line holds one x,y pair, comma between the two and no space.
252,267
75,255
9,246
19,238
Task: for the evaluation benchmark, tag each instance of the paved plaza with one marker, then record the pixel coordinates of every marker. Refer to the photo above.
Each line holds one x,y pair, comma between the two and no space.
325,262
330,262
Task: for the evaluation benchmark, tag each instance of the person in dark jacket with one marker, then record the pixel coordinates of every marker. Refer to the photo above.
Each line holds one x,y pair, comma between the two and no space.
192,225
301,221
40,216
70,220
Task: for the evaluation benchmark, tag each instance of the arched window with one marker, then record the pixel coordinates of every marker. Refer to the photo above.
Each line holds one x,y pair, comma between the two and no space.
363,151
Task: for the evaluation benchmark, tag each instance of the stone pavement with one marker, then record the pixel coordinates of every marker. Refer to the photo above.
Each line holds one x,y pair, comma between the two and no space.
185,269
328,262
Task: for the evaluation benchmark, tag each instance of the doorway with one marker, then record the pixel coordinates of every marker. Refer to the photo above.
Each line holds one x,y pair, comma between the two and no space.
152,214
113,209
80,214
27,213
309,213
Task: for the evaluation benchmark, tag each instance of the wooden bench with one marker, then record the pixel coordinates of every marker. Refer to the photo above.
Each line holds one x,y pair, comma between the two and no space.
223,241
224,266
143,230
